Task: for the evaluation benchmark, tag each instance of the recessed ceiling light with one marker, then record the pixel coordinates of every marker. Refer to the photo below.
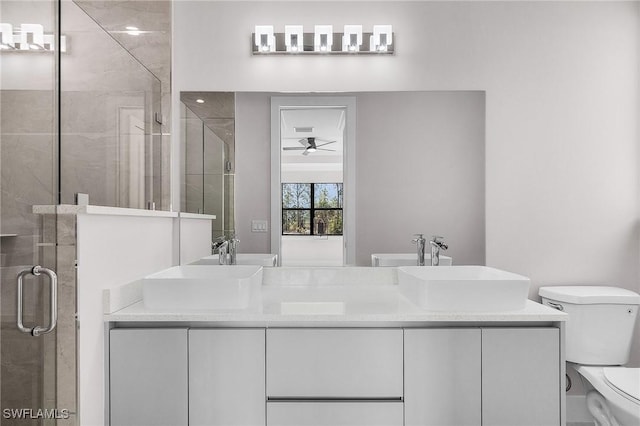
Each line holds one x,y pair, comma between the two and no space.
133,31
200,101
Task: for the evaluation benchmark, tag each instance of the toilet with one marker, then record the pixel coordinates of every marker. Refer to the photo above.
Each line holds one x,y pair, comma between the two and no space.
598,340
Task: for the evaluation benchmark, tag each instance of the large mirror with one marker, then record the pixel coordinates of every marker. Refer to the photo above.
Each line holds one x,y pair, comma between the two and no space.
417,161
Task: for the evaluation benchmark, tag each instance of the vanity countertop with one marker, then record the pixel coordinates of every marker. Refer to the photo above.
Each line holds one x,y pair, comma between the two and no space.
289,306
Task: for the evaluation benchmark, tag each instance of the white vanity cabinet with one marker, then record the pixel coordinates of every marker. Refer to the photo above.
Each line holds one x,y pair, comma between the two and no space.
364,363
483,376
521,380
337,376
226,377
334,413
442,377
148,377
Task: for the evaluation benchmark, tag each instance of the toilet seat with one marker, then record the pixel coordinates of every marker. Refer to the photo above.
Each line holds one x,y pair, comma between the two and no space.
625,381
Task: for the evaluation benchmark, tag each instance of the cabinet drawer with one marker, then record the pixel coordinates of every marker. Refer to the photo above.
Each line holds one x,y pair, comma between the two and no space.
334,414
334,363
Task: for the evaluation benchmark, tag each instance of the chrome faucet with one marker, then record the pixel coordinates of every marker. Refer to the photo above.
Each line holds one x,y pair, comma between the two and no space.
233,250
436,245
223,253
420,243
227,250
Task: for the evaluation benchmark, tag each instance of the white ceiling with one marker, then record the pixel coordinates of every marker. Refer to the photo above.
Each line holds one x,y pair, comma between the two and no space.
328,125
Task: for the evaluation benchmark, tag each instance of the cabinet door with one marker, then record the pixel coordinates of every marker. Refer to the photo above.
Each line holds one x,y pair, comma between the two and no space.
334,363
521,376
226,377
148,377
442,377
334,413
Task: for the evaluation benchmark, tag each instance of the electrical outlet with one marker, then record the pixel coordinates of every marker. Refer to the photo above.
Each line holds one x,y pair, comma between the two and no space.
259,226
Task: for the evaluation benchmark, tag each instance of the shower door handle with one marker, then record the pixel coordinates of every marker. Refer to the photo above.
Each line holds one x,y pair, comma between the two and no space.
53,294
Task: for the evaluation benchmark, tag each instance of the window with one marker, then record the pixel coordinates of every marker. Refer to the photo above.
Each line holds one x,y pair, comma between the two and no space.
312,209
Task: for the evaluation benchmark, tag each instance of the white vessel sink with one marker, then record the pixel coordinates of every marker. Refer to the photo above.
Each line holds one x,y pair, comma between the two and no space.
404,259
261,259
463,288
198,287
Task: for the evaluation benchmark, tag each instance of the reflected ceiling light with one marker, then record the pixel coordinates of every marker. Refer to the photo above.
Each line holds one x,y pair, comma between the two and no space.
32,37
29,38
6,37
293,38
264,38
200,101
323,38
352,38
134,31
381,39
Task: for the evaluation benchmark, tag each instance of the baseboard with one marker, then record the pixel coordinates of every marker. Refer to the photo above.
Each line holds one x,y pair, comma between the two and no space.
577,411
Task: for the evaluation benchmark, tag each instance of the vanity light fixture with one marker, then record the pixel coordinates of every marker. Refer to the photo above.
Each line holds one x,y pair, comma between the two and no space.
352,38
323,38
381,39
294,41
32,37
294,38
200,101
28,38
265,39
6,37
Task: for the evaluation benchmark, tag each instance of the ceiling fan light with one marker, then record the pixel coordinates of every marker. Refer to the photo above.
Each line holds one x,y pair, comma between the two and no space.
311,149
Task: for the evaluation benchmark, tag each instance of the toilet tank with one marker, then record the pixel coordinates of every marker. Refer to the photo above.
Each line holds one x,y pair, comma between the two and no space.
601,321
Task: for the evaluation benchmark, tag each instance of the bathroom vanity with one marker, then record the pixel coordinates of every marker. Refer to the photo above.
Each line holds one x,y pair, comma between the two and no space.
332,346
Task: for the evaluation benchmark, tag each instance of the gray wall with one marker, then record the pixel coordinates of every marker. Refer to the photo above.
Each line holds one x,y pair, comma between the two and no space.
419,169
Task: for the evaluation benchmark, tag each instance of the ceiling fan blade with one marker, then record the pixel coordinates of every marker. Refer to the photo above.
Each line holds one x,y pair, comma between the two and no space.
292,148
326,143
306,152
325,149
304,142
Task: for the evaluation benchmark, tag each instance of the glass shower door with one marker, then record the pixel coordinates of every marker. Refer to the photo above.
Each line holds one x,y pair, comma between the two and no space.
29,342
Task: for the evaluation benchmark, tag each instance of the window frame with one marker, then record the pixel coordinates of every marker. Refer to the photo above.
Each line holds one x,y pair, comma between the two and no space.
312,209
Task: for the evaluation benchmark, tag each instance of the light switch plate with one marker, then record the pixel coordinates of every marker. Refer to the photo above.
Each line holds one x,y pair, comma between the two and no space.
259,226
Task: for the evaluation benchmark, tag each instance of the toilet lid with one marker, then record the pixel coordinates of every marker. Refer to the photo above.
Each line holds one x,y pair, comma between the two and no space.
626,380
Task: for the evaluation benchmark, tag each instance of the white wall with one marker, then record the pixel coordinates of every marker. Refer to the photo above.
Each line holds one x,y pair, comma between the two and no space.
562,108
109,249
299,250
195,237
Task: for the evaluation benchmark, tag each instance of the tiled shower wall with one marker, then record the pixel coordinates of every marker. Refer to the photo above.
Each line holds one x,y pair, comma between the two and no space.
103,88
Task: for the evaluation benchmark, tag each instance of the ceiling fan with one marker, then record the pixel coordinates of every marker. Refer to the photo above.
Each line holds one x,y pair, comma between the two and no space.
309,145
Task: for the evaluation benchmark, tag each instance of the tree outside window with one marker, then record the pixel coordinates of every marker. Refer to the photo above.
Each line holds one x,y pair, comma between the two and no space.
312,208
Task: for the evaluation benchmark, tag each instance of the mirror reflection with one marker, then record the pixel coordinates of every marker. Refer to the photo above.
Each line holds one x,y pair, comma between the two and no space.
417,164
311,176
208,139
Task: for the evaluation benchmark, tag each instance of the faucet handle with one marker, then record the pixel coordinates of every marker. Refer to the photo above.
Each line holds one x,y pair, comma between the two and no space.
437,240
418,237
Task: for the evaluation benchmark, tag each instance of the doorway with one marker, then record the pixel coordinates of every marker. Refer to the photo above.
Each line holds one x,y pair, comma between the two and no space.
313,180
